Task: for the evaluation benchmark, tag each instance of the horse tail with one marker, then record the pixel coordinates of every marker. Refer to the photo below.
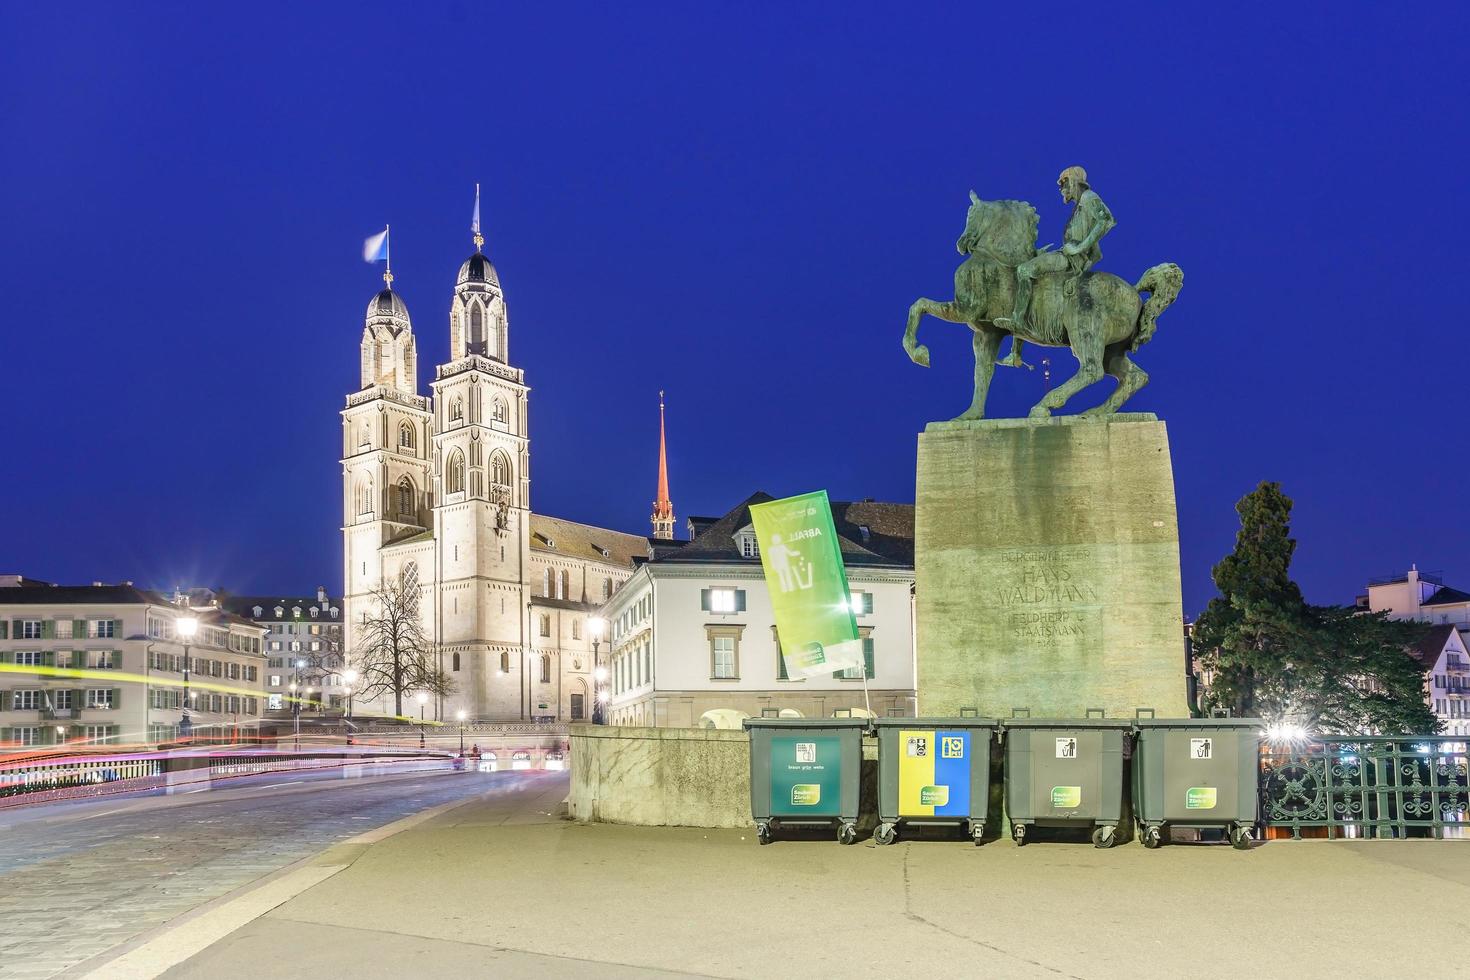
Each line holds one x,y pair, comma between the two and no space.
1162,283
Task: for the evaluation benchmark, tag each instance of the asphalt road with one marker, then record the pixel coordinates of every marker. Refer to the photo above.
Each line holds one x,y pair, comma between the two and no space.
77,879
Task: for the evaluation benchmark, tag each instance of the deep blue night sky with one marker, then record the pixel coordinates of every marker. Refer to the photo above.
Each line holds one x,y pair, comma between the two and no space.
737,204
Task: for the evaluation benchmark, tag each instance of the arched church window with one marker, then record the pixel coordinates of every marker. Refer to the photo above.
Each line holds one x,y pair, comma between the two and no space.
545,624
500,471
456,662
607,588
477,330
454,478
545,669
405,496
367,436
365,497
546,583
500,411
562,586
504,662
456,410
405,436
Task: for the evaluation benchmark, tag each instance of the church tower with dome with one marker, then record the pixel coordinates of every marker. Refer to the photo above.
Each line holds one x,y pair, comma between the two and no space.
437,493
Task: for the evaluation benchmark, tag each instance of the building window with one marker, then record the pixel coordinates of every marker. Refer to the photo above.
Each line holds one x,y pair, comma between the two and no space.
273,680
30,629
61,700
499,470
100,698
499,411
405,503
28,736
545,669
578,707
101,660
747,543
103,628
607,589
477,330
63,629
545,625
405,437
26,701
857,673
456,410
504,662
454,479
455,662
562,584
576,629
28,658
100,733
724,652
364,498
722,600
546,583
862,603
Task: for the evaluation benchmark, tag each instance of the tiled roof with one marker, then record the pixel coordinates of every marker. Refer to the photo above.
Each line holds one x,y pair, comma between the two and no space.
51,595
1428,649
245,606
889,538
1444,596
554,536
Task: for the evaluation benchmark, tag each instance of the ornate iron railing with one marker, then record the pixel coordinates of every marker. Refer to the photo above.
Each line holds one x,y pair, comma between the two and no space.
1356,786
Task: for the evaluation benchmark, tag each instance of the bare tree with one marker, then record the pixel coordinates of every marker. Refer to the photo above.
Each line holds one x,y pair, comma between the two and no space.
393,653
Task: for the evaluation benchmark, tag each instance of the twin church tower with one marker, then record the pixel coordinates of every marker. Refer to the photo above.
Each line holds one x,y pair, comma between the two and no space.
437,494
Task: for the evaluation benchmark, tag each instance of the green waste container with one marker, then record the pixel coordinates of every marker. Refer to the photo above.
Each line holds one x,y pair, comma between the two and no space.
805,772
933,771
1065,772
1196,773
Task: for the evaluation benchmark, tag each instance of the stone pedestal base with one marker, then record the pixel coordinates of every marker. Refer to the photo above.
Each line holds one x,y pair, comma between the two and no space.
1047,559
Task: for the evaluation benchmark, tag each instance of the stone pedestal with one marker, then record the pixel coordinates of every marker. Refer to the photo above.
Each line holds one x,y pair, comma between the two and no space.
1047,559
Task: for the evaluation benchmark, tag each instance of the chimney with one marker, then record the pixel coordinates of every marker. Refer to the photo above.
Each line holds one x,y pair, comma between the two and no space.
321,594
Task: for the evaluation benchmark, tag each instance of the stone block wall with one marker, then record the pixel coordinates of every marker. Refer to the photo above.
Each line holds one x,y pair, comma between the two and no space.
660,777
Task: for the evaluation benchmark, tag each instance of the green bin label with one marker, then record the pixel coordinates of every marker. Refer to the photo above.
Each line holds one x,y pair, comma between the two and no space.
934,796
1200,798
806,775
1066,797
806,794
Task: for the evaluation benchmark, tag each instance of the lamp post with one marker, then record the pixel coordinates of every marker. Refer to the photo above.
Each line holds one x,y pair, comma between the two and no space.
296,701
595,626
460,715
423,698
186,626
350,676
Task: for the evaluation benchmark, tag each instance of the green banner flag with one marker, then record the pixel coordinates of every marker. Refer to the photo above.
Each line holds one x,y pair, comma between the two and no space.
808,584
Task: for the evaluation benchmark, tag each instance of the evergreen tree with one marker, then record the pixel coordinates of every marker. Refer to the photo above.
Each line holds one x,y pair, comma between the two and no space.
1329,669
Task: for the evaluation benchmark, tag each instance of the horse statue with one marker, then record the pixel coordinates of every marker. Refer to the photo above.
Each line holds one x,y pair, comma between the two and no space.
1098,315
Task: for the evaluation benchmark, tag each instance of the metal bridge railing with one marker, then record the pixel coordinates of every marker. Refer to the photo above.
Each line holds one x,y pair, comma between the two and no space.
1359,786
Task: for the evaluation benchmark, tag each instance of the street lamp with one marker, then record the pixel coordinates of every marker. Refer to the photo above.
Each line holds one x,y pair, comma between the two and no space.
422,698
350,676
186,626
595,626
460,715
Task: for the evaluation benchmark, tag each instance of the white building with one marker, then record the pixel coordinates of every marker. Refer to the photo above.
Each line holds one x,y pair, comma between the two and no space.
436,491
303,648
693,629
1424,597
127,642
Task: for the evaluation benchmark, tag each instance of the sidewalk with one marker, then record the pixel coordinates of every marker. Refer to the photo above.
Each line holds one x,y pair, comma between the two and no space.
502,886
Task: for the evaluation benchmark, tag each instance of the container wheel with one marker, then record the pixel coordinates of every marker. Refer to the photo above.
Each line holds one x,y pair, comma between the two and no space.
847,834
977,831
1018,834
886,833
1105,837
1240,837
763,832
1153,837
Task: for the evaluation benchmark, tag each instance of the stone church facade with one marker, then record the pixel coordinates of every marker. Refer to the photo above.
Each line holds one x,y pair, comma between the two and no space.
436,490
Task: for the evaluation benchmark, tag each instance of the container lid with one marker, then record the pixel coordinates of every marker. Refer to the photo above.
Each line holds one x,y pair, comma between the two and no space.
1200,723
806,722
1068,723
947,722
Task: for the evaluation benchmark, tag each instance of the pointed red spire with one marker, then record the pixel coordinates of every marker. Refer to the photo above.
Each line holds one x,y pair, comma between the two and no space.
663,507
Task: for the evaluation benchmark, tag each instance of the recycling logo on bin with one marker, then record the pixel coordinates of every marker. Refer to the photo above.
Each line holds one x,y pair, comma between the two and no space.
934,774
1067,748
1201,748
806,775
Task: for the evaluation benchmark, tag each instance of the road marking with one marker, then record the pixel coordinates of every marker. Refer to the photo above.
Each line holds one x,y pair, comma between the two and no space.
273,785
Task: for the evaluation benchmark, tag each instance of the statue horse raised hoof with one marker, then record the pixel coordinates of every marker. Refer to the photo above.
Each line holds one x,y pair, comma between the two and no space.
1104,322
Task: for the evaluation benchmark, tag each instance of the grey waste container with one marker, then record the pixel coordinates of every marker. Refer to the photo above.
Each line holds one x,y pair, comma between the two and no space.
933,771
1196,773
1065,772
805,772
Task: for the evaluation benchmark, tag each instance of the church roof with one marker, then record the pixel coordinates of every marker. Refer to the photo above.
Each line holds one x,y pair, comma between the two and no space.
553,535
477,268
1428,649
387,303
869,532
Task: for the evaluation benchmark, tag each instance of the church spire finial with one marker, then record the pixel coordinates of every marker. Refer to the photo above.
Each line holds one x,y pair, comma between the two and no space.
475,222
663,507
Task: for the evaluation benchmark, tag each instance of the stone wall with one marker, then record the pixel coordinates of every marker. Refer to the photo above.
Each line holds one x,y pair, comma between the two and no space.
680,777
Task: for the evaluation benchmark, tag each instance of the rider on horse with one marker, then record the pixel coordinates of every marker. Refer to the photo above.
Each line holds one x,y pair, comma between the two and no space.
1090,221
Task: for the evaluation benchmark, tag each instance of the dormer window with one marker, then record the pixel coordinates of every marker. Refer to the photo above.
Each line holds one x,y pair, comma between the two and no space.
296,611
257,611
745,543
280,612
864,532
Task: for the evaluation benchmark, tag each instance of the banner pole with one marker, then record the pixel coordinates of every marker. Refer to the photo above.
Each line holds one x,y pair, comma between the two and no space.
867,703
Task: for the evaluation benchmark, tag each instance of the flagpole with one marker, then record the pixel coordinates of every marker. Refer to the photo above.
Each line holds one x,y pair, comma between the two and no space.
388,269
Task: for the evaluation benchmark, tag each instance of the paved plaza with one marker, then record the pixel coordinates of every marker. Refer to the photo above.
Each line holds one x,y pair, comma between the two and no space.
502,885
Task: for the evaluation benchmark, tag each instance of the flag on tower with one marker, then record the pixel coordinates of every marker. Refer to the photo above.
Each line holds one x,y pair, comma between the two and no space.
375,249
